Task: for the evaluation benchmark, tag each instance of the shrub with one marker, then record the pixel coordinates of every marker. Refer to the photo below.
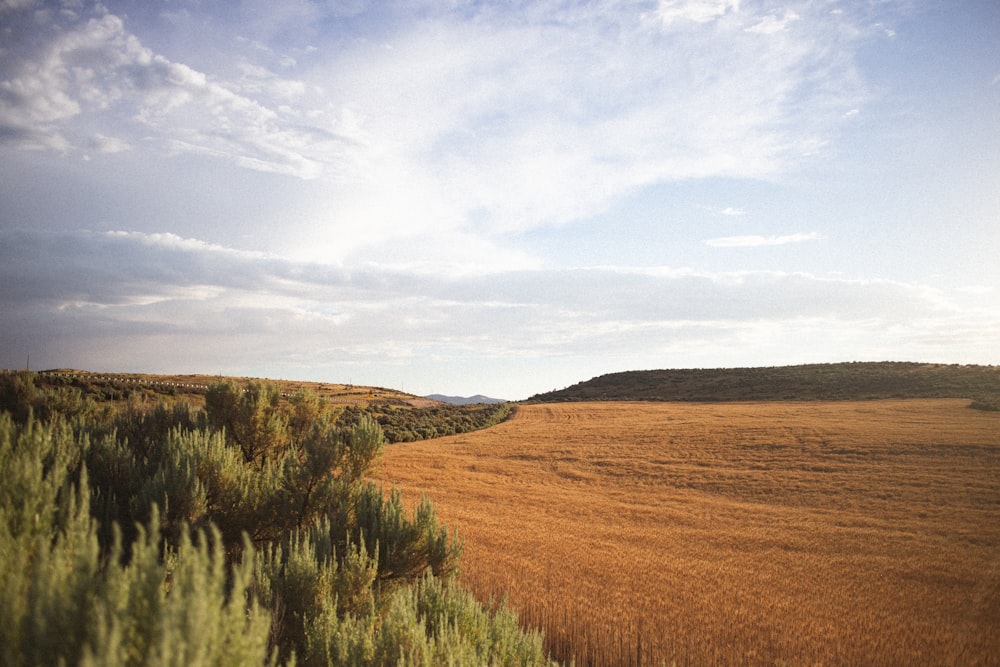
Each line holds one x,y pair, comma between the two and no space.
160,537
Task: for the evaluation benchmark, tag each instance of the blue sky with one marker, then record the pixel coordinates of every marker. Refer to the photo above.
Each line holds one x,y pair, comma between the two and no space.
498,198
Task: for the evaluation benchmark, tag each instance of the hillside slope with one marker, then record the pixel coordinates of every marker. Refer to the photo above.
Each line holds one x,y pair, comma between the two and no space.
842,381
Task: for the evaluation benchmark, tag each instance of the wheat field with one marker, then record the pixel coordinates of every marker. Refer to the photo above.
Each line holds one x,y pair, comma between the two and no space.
799,533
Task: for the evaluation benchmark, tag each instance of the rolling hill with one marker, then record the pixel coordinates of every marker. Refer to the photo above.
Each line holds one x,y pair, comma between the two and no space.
839,381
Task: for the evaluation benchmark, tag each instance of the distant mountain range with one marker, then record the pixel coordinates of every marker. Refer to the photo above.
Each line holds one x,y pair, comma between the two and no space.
464,400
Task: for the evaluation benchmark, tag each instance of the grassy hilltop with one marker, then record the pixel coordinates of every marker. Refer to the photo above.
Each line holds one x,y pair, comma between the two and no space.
841,381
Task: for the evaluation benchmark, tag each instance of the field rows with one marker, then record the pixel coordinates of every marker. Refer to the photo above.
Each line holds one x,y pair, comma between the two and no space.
745,533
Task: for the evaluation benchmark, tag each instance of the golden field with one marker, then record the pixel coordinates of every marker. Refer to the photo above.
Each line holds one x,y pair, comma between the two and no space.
800,533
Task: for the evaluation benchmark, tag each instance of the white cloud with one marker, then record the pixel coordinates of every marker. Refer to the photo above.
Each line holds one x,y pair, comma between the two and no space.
96,74
503,126
171,241
733,211
758,241
697,11
103,144
771,24
257,80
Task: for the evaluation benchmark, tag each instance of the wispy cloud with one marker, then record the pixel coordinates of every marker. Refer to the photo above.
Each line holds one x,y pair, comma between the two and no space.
95,85
771,24
697,11
503,119
758,241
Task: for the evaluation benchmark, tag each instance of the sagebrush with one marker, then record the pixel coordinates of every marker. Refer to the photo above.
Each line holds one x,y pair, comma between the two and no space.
246,533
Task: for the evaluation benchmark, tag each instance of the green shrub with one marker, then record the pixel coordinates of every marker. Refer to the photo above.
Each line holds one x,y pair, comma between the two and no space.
64,601
159,538
405,424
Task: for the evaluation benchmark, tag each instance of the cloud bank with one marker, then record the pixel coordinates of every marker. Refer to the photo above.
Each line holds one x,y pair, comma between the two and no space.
206,307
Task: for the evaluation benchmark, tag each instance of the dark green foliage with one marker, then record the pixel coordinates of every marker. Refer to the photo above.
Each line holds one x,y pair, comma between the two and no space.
988,403
251,418
20,396
143,426
247,534
405,424
407,546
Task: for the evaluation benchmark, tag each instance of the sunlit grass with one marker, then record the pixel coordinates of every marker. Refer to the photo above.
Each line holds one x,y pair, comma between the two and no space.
747,533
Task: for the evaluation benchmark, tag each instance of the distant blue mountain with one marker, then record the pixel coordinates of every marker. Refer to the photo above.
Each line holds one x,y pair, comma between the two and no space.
464,400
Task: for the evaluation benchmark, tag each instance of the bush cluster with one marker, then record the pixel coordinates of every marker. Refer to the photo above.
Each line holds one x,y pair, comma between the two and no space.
406,424
245,533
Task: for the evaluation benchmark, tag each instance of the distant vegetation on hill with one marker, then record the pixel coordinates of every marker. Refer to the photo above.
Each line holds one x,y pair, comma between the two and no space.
843,381
407,424
403,417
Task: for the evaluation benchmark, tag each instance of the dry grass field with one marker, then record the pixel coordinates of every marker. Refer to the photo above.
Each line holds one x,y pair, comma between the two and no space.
800,533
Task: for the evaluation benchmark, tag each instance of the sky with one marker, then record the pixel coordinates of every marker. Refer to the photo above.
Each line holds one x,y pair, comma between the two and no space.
500,198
